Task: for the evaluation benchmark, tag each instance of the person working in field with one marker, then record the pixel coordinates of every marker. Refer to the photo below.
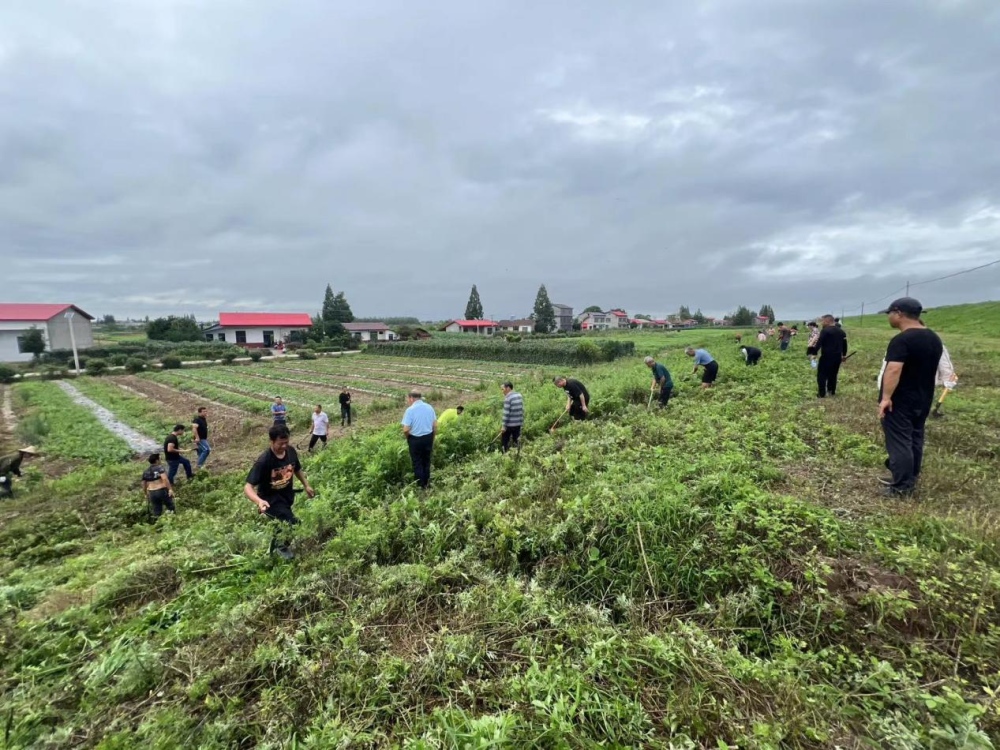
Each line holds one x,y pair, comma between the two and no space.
811,344
906,390
703,359
321,425
345,407
10,467
784,336
661,381
278,411
157,488
199,432
751,354
578,401
513,417
269,486
419,427
832,348
450,415
174,454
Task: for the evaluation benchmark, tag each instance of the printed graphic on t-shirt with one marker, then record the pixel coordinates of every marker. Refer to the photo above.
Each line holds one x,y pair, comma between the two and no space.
282,476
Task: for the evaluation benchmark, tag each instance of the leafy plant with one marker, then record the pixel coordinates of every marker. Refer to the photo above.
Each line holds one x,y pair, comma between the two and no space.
96,366
135,364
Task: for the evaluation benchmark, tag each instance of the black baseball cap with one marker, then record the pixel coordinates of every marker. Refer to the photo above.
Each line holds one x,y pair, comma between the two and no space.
906,305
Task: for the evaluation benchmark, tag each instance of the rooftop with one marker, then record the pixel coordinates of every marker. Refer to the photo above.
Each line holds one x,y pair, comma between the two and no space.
34,311
254,319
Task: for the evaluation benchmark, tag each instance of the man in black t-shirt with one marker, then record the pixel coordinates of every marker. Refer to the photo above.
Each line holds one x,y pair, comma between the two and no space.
157,488
199,433
173,452
269,484
751,354
578,403
832,349
906,390
345,407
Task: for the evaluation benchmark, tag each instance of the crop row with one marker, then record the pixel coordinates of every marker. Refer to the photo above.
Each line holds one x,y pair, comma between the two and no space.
65,429
379,371
142,414
472,368
550,352
387,385
182,382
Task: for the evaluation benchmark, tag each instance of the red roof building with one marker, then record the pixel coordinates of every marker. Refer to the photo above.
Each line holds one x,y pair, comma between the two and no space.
58,331
255,330
482,327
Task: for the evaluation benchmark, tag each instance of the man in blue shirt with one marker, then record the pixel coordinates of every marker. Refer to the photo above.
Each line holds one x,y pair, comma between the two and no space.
661,378
703,359
278,411
419,427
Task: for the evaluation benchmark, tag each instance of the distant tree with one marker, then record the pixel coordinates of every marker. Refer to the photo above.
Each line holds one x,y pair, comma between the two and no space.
592,308
174,328
684,313
342,309
743,316
767,310
32,342
474,307
543,315
643,316
698,317
108,320
329,312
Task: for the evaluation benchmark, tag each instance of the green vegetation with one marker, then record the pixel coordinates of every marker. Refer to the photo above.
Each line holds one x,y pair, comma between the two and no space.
142,414
64,429
975,319
720,573
174,328
555,352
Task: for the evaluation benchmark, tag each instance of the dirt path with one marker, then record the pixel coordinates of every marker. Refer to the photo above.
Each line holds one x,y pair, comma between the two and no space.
136,441
9,418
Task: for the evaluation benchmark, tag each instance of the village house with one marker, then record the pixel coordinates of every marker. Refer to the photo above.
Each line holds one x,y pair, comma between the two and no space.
595,321
564,316
619,318
370,331
481,327
524,325
60,326
257,330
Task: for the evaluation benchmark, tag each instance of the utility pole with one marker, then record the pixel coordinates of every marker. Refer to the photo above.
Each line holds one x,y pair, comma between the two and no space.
862,323
907,287
72,339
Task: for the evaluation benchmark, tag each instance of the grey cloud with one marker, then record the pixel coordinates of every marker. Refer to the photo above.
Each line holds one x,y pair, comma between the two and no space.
246,153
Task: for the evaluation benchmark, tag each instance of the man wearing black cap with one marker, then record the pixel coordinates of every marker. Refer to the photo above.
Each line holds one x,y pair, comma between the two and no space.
906,390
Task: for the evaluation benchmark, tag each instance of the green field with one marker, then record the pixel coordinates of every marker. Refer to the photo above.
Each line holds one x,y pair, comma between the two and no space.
722,573
976,319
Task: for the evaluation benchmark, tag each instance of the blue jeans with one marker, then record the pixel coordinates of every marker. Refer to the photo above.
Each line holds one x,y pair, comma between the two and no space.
204,448
172,467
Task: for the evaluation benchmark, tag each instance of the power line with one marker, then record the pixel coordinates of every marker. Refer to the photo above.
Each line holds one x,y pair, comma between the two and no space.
959,273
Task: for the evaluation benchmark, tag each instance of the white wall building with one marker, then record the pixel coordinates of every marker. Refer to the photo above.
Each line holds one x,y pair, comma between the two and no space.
51,320
257,330
370,331
524,325
481,327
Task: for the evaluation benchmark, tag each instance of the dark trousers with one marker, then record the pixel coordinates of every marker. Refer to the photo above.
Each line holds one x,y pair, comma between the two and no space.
315,439
576,410
7,487
511,436
158,500
752,359
345,414
826,375
784,345
174,465
665,393
281,533
420,454
904,442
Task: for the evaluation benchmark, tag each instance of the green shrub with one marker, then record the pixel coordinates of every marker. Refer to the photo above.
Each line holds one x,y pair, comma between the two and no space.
51,372
228,357
7,374
96,366
256,355
118,360
135,364
557,351
307,354
171,362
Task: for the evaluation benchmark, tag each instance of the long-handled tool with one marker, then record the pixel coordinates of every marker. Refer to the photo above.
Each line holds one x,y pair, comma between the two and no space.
937,407
651,393
554,424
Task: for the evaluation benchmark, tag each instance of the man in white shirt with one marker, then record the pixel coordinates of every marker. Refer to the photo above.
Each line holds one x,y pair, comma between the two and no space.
419,427
321,425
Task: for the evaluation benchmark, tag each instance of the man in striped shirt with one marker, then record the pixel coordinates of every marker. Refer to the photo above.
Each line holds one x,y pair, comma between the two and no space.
513,417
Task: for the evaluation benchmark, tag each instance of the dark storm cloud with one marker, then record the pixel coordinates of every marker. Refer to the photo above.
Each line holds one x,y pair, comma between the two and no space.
175,156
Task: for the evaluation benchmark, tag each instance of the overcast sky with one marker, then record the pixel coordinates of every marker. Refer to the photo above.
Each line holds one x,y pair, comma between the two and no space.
191,156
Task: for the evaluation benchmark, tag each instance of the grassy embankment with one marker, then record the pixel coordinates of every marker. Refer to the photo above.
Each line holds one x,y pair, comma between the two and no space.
721,572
